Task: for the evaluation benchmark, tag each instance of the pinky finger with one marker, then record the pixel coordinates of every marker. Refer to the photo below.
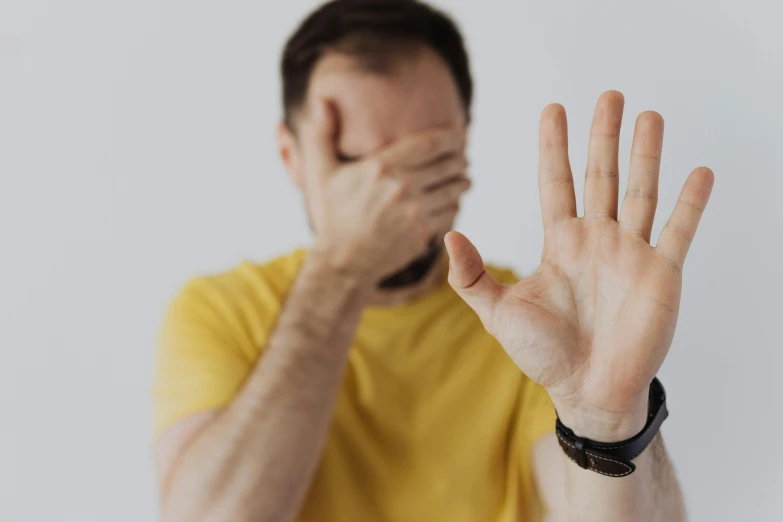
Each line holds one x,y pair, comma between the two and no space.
677,235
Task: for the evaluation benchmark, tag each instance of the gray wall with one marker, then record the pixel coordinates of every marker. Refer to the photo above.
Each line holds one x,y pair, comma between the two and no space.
136,149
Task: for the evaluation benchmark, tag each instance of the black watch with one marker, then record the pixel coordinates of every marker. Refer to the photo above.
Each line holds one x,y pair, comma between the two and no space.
614,458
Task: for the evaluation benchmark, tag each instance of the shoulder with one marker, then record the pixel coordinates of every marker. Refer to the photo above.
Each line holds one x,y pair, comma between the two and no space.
236,307
213,331
244,284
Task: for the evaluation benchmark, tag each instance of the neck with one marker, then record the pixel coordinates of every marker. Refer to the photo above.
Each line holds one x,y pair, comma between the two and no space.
394,297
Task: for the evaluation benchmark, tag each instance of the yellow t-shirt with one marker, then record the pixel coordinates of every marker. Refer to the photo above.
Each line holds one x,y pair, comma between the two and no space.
433,423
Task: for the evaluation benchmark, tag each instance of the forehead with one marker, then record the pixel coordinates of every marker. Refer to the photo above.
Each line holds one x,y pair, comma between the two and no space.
375,109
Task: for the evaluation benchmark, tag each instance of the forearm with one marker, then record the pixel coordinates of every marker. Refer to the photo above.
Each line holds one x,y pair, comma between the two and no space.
649,494
256,459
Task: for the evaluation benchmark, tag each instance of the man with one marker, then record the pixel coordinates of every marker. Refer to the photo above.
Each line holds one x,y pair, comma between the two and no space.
376,376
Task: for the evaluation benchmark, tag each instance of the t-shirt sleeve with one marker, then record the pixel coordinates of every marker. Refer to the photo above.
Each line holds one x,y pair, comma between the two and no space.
200,362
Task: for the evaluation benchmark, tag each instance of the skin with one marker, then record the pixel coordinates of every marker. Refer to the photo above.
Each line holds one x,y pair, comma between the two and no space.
372,113
403,183
594,323
603,299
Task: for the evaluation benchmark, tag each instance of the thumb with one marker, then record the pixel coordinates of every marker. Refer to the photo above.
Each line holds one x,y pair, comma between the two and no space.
470,279
320,136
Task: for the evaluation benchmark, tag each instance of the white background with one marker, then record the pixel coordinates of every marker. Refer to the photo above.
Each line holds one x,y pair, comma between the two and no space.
136,150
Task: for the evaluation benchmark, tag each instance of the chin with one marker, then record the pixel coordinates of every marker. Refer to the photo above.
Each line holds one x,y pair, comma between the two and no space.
415,271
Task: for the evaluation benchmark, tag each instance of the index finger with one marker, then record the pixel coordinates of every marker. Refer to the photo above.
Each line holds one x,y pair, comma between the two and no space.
423,148
319,137
555,181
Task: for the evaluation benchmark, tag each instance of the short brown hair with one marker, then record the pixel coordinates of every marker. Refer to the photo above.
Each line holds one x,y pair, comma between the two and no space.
373,31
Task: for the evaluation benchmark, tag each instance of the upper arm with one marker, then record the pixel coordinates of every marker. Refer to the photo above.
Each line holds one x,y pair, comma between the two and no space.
212,335
200,362
549,470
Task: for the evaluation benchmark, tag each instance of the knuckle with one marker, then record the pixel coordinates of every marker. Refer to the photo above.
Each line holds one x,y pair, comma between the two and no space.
432,144
378,167
635,192
400,190
681,233
459,188
602,171
691,204
422,232
414,211
672,262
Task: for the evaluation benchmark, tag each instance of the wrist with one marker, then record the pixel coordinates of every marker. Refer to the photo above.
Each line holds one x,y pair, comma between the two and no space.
602,426
327,264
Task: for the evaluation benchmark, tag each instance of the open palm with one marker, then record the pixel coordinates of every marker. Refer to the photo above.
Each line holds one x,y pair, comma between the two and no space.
594,323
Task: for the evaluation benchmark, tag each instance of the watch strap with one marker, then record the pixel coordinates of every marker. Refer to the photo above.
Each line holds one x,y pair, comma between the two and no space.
614,458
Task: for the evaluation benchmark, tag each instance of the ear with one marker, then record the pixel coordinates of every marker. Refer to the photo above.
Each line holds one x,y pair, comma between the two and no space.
290,154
